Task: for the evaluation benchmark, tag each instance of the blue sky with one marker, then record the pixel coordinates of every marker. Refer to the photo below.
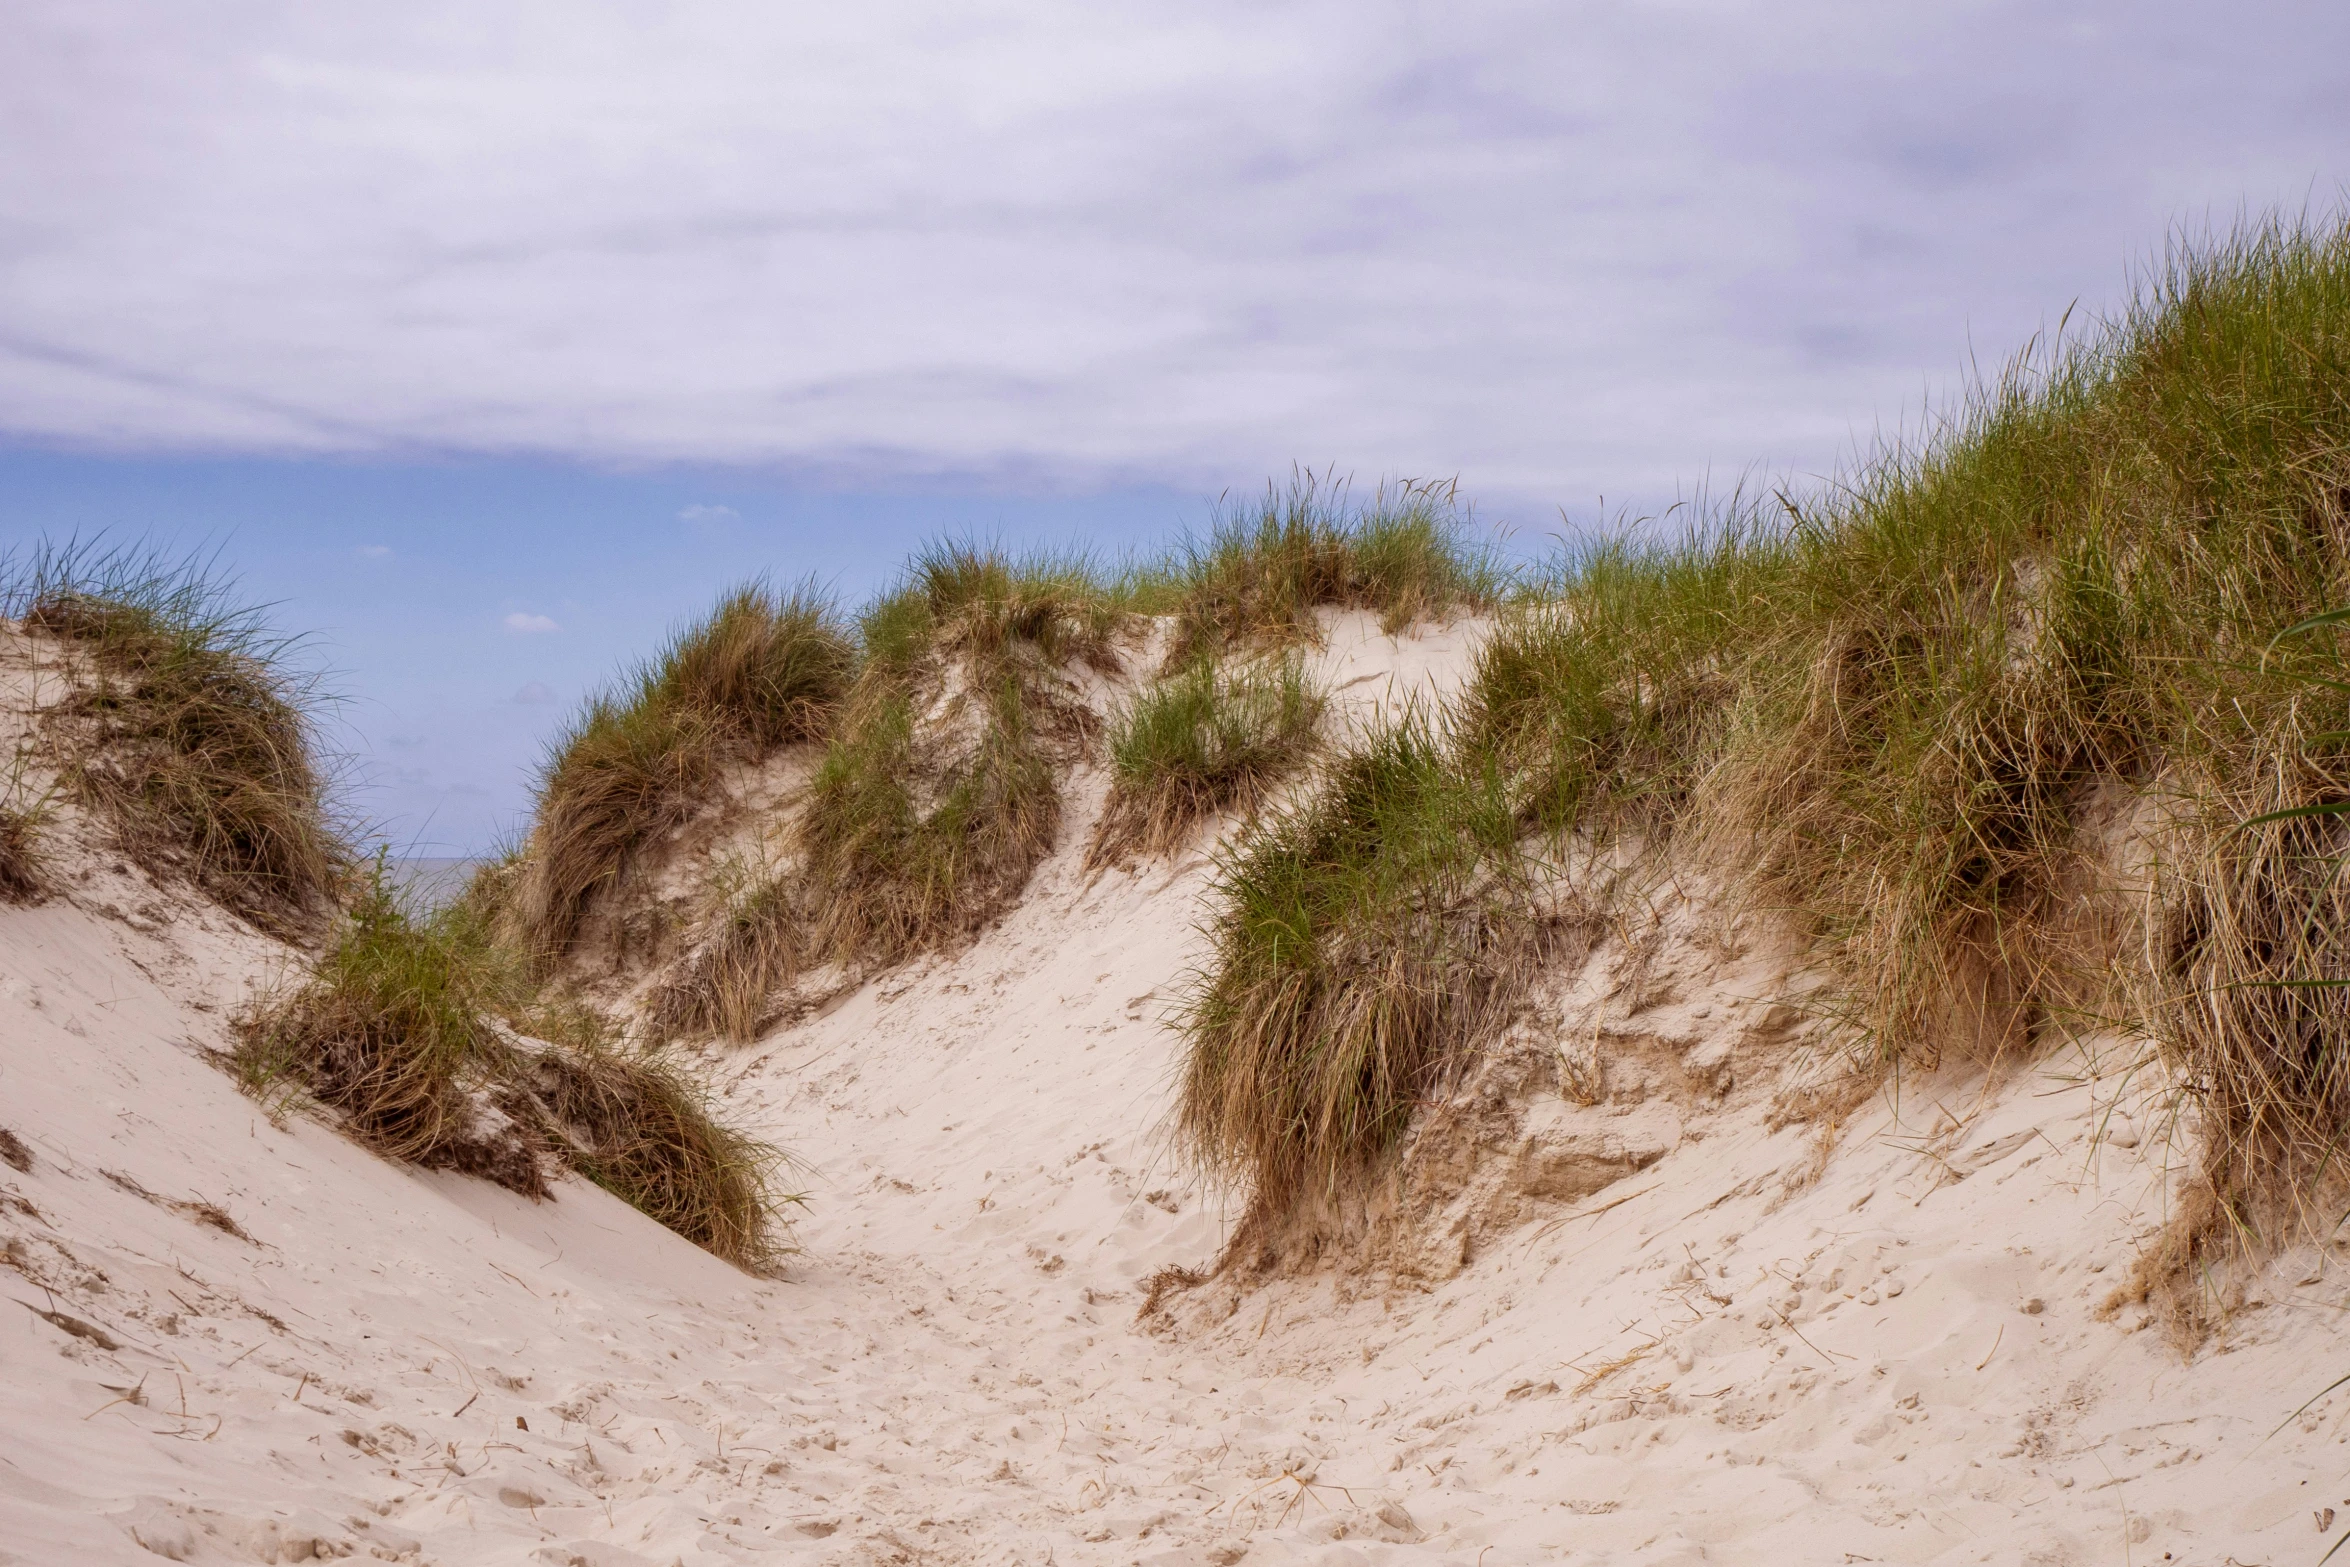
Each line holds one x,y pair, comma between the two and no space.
490,341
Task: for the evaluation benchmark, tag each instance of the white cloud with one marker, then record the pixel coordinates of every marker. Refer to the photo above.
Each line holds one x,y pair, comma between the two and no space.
537,693
1544,246
699,513
530,624
373,552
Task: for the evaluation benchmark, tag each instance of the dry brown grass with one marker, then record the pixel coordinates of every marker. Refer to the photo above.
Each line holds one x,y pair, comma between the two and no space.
729,986
639,1126
2250,999
395,1034
20,857
186,727
763,670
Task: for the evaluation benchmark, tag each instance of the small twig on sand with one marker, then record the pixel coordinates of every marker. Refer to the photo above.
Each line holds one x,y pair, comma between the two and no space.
137,1395
1827,1355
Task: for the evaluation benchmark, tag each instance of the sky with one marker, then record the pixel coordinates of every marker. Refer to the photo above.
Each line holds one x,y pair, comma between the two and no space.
488,343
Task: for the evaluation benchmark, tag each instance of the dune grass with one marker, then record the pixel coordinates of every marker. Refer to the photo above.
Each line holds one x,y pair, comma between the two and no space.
1900,708
764,669
1254,580
995,613
1361,940
386,1029
398,1031
757,947
189,726
939,795
1895,708
640,1126
20,856
1210,738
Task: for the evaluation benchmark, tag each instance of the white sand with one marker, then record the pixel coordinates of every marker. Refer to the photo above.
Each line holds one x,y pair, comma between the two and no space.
1898,1363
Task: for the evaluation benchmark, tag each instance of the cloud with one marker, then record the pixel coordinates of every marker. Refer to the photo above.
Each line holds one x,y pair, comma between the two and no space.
698,513
1546,246
537,693
373,552
530,625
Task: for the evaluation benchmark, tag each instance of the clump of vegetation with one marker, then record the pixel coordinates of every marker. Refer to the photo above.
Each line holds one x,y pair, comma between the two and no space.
640,1127
188,727
21,820
728,987
399,1031
995,614
1601,697
1901,708
764,670
938,795
1256,578
1363,942
391,1031
1209,738
20,856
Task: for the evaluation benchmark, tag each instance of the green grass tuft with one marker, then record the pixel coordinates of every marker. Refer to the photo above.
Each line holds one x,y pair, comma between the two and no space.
386,1030
908,850
1205,740
1362,941
938,796
1256,578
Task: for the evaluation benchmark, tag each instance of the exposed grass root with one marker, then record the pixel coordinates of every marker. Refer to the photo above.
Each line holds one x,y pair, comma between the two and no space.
763,670
1204,741
1256,578
187,727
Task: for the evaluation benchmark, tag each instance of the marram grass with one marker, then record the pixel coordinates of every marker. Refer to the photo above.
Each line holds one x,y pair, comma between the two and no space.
1255,580
1901,710
397,1031
1211,738
188,726
764,669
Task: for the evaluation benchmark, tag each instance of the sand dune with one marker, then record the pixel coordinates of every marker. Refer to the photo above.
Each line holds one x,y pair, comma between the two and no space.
1645,1336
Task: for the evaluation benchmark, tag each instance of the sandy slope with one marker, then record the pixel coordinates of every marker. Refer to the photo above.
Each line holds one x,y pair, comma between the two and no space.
1898,1362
